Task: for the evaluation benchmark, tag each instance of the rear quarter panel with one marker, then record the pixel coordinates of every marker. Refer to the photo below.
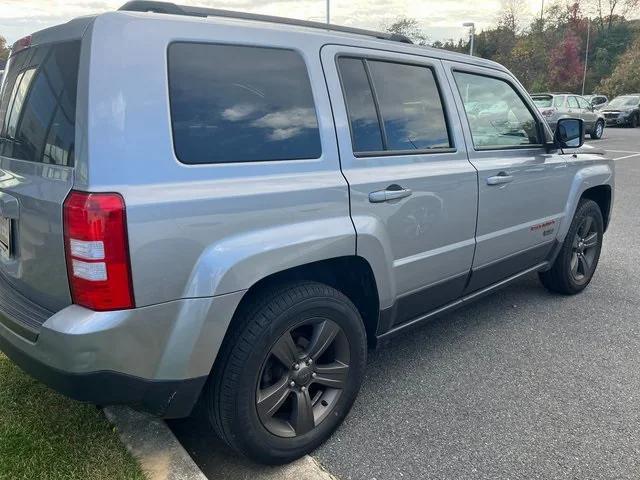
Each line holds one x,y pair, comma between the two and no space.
203,230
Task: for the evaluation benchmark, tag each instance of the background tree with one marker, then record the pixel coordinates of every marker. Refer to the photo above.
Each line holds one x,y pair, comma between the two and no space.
409,27
626,75
4,49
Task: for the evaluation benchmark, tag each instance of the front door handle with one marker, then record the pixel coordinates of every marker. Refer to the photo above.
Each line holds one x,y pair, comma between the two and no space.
387,195
500,179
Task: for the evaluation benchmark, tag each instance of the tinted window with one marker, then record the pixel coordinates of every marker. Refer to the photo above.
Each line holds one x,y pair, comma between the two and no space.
240,104
503,120
410,106
38,103
573,102
365,128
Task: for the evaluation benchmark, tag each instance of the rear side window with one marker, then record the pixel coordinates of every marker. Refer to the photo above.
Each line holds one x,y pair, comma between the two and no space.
38,104
365,126
398,103
240,104
410,106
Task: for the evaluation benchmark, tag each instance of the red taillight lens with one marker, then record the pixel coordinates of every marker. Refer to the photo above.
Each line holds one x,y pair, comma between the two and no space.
97,250
21,44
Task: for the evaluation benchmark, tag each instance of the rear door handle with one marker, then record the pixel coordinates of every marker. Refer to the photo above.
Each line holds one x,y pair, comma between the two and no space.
387,195
500,179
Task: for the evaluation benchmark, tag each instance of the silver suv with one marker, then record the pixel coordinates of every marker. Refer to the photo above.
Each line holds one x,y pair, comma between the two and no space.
214,207
555,106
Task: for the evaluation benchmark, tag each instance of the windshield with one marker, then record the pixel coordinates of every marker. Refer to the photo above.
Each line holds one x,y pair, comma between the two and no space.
543,101
625,102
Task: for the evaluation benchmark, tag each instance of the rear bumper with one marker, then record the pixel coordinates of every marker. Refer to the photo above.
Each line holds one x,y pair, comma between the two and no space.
154,358
167,398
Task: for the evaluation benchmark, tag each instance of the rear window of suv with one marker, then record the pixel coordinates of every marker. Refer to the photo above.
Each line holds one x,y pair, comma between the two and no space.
38,104
240,104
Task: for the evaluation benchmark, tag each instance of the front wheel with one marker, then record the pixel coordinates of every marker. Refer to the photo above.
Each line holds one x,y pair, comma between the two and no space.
598,130
289,373
576,263
634,121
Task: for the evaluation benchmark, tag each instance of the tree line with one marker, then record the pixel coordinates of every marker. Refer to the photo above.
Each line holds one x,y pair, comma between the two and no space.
548,53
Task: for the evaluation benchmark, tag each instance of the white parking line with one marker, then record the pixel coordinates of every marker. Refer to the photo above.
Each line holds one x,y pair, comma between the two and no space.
626,156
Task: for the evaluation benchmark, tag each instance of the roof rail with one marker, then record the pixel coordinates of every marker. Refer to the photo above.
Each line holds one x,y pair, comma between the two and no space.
173,9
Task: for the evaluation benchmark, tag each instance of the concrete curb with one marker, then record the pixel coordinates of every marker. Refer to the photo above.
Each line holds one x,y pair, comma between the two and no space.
150,441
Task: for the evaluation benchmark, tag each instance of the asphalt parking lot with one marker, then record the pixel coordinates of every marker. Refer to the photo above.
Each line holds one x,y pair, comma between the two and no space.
523,384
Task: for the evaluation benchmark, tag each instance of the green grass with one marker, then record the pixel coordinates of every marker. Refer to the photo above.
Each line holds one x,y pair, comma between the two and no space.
46,436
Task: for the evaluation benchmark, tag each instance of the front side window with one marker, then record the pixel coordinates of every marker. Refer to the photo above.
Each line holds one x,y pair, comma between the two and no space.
573,102
392,106
240,104
497,115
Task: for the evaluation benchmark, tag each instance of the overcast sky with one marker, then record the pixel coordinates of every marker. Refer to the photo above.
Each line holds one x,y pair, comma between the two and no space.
441,19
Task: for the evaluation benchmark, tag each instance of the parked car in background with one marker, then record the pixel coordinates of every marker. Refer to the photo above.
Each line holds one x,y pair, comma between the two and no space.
555,106
1,75
238,236
598,101
623,110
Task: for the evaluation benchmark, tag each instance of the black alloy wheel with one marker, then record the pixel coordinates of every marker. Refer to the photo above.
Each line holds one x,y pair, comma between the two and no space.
303,377
288,372
585,249
578,258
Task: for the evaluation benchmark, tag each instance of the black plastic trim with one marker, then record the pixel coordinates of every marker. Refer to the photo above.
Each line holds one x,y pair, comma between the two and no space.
437,298
456,303
496,271
427,299
165,398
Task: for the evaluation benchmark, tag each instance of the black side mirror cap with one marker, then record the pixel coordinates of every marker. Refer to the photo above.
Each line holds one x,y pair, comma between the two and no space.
569,133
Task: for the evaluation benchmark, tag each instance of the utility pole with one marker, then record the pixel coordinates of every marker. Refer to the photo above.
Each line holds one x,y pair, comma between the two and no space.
328,12
542,12
472,35
586,54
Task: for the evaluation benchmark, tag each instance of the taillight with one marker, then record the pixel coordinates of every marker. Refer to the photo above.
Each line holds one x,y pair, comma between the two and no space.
21,44
97,251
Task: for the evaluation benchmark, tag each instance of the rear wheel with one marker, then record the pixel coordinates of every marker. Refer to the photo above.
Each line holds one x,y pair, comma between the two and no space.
598,130
289,373
576,263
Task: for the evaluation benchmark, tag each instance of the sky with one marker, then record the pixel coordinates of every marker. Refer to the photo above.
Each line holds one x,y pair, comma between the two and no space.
440,19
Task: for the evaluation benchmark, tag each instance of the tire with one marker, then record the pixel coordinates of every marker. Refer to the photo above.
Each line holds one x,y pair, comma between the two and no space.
576,263
598,130
254,367
634,121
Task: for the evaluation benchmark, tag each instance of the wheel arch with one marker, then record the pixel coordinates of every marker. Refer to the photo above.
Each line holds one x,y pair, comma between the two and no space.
600,194
595,180
352,275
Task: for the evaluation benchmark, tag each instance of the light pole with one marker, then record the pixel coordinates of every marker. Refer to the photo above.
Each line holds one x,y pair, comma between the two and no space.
586,55
472,35
328,12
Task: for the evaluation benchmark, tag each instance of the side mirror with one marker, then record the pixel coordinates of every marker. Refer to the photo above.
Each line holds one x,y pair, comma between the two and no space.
569,133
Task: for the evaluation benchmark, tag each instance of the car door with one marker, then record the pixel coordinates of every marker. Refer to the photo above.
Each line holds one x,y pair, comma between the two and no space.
522,188
587,113
413,191
573,107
